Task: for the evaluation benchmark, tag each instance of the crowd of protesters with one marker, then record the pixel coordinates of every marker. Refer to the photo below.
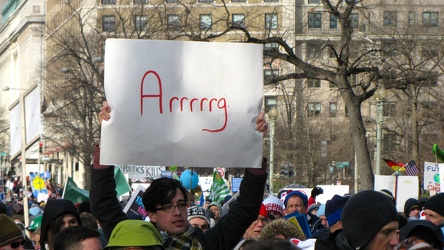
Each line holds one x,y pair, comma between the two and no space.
366,220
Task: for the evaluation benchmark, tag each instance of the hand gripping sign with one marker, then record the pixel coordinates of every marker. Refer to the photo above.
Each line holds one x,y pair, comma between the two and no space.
179,103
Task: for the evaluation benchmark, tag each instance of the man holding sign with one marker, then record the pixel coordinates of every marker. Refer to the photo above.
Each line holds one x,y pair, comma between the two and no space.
183,104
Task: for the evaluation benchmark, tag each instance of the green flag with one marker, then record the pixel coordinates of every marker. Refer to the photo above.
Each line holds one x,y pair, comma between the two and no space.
73,193
122,185
219,188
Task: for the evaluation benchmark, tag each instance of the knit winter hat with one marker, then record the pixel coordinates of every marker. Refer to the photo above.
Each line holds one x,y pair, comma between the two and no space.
364,215
35,223
198,212
321,210
9,231
263,211
274,204
301,195
424,230
333,208
134,233
410,204
312,207
436,203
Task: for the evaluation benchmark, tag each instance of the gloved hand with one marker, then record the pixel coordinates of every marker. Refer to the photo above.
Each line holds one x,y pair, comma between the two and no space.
316,191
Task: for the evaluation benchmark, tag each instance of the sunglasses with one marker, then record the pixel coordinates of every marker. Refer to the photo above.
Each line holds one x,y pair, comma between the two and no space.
17,244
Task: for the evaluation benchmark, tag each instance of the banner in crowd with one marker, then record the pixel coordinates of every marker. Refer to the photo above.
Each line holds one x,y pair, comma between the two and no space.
38,185
219,188
122,186
135,208
181,103
397,186
73,193
432,176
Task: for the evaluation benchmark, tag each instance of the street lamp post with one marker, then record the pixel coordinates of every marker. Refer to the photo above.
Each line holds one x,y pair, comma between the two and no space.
272,114
380,97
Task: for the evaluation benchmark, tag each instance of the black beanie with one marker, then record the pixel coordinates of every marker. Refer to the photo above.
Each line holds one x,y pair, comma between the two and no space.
409,204
364,215
436,203
424,230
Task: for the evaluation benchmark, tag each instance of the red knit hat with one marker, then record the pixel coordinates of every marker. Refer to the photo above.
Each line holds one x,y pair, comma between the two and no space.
263,211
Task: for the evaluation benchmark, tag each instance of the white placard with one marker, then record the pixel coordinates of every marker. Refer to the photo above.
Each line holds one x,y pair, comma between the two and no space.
182,104
432,176
408,187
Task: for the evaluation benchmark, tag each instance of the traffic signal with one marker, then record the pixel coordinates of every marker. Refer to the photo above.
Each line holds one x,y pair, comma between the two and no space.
40,147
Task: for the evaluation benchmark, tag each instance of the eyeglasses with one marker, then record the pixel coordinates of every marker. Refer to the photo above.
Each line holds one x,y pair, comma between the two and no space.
17,244
263,220
171,207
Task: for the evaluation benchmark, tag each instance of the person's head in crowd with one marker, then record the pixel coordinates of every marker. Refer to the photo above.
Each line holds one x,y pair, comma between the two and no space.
17,208
333,211
35,223
321,215
206,204
313,209
422,201
434,209
166,202
58,215
35,211
76,238
274,206
296,201
370,221
84,207
135,234
216,209
18,218
11,237
36,239
198,217
255,229
271,244
88,220
388,194
281,228
412,208
421,231
3,208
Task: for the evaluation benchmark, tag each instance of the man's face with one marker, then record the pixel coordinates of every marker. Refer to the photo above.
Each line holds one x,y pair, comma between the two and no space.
91,244
173,222
414,213
256,227
294,204
69,220
324,220
433,217
199,222
215,211
387,238
36,241
9,247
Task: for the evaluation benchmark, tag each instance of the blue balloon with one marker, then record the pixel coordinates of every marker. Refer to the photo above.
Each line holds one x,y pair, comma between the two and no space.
189,179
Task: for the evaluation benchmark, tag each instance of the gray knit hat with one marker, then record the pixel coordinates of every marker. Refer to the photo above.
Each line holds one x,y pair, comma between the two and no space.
364,215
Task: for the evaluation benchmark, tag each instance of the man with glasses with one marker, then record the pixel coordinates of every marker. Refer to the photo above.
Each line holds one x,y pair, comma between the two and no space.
11,237
165,202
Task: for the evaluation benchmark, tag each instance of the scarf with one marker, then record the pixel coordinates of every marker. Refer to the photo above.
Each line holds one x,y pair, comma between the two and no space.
185,241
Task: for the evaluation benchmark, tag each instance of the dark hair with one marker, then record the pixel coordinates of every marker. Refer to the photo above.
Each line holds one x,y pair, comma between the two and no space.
88,220
161,192
70,238
54,228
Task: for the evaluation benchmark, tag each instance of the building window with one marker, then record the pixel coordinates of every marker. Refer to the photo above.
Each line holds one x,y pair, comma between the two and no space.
239,20
354,17
314,1
108,1
205,21
141,23
389,47
430,19
333,21
270,74
389,142
271,0
390,18
313,50
173,21
270,102
172,1
271,21
108,23
273,47
429,51
389,108
314,109
333,109
237,1
313,83
205,1
411,19
140,1
315,20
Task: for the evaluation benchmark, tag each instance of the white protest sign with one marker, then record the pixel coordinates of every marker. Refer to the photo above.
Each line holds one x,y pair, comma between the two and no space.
182,104
142,172
432,176
403,188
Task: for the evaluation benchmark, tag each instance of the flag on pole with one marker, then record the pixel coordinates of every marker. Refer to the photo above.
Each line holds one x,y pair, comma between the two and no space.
73,193
396,166
122,185
219,188
411,169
